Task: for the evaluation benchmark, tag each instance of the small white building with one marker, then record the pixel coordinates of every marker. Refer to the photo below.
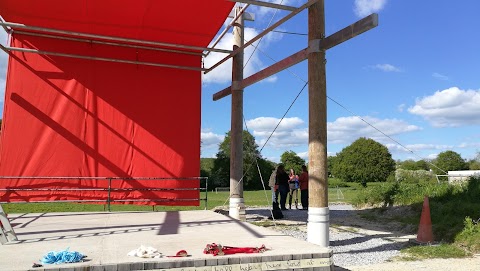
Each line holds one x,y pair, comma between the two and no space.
457,176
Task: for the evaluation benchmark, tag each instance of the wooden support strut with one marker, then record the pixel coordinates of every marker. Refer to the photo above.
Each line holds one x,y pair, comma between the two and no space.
316,45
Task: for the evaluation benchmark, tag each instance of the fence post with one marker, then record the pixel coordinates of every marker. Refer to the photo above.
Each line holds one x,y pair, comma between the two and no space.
206,193
109,190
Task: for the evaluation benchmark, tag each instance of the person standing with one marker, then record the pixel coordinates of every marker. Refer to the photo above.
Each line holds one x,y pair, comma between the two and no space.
303,179
276,212
274,187
293,186
282,182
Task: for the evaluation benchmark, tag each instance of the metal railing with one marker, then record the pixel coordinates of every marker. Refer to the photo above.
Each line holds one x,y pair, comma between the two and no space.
109,189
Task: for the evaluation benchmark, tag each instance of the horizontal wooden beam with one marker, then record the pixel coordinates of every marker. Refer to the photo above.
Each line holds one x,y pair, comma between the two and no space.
263,33
338,37
266,4
349,32
267,72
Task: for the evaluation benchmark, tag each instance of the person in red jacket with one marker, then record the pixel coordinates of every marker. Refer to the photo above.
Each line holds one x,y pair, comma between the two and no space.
303,179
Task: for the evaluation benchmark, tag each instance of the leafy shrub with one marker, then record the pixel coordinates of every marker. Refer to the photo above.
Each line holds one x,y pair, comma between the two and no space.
377,195
449,204
470,235
414,176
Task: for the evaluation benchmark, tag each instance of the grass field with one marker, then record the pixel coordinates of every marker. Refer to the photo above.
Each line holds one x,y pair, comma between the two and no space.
252,198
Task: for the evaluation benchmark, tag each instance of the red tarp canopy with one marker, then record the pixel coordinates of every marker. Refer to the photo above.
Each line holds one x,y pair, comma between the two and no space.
76,117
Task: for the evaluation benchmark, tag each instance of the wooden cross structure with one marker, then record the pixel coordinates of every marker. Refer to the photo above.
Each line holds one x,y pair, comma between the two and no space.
318,212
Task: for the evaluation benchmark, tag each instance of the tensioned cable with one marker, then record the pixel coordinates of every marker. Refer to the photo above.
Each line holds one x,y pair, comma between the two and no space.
284,32
362,119
248,60
255,47
290,33
261,180
266,141
306,83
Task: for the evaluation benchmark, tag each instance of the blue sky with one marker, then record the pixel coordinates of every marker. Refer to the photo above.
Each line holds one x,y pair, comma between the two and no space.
415,77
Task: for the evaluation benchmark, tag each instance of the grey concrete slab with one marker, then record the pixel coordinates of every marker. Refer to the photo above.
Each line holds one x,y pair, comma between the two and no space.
106,238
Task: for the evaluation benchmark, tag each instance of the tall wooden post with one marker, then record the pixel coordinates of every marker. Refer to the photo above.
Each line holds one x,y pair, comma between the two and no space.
237,205
318,212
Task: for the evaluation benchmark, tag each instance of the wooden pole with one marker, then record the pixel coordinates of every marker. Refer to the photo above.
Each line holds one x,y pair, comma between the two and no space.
318,213
237,206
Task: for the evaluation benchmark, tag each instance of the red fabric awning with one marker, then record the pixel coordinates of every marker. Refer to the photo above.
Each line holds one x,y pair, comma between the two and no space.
67,117
188,22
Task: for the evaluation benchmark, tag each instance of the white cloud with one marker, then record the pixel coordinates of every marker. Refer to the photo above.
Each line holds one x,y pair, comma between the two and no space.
386,68
291,131
449,108
366,7
303,155
418,147
210,140
348,129
440,76
267,124
469,145
401,107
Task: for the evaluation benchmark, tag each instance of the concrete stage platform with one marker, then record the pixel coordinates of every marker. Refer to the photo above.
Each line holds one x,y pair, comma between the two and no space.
106,238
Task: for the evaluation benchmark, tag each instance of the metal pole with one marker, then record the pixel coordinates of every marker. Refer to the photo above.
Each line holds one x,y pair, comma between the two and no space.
25,50
108,43
103,37
318,212
206,193
237,205
109,191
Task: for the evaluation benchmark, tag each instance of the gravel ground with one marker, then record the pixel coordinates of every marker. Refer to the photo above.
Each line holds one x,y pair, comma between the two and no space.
352,244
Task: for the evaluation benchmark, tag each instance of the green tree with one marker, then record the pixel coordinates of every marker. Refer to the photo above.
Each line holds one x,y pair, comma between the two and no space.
422,165
206,166
365,160
414,165
251,180
408,165
291,160
474,164
449,160
330,162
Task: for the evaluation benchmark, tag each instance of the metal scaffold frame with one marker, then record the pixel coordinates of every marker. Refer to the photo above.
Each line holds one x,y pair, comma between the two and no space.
12,28
7,233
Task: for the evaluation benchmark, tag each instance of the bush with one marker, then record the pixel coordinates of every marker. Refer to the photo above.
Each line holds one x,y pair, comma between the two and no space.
470,235
377,195
414,176
449,204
